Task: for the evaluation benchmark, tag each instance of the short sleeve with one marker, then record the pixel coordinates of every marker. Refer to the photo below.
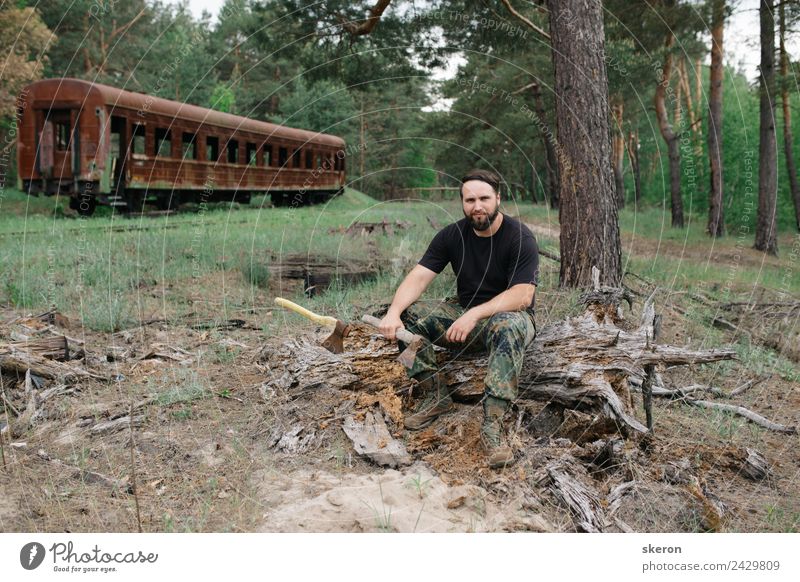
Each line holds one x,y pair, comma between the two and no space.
437,256
524,264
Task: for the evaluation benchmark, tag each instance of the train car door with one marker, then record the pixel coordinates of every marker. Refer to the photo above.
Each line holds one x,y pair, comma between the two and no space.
120,146
46,147
61,129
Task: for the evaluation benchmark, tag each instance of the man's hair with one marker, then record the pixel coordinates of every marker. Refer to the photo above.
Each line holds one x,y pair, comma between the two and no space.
484,176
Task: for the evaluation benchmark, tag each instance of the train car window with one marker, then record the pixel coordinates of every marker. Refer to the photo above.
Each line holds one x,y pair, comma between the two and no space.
319,160
309,159
189,146
251,154
283,155
212,148
62,135
163,143
138,136
267,155
233,151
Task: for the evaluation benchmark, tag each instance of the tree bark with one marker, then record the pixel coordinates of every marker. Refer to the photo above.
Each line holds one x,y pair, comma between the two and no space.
766,235
669,135
618,153
551,160
588,208
787,118
716,216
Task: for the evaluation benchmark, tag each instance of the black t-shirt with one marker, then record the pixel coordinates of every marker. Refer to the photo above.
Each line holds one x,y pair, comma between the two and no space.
485,266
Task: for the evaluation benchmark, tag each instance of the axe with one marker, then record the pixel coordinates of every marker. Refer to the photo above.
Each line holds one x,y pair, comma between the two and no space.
413,341
334,342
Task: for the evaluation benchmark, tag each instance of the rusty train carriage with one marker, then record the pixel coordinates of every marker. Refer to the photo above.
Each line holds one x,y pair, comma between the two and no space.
98,144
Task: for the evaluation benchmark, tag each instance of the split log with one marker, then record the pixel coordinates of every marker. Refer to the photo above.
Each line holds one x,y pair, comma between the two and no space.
371,439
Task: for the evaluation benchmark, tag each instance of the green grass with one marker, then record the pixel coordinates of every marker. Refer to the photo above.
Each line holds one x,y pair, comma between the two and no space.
109,272
185,386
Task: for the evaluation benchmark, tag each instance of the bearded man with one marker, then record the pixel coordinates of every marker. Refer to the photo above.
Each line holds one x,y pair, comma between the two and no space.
496,262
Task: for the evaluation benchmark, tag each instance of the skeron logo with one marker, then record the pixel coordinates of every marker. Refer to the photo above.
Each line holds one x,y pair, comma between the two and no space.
31,555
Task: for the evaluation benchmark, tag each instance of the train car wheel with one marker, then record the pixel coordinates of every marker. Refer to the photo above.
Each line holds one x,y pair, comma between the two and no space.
85,204
134,201
168,201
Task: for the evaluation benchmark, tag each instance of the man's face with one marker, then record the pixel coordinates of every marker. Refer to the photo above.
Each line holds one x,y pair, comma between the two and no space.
480,203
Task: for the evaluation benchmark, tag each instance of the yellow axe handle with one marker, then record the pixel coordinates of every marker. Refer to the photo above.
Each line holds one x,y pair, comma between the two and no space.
320,319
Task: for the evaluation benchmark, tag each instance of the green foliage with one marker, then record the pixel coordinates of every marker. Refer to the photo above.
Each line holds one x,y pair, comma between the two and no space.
222,98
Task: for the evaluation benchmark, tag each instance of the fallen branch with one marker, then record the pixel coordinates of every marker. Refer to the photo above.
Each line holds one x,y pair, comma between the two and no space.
748,414
747,385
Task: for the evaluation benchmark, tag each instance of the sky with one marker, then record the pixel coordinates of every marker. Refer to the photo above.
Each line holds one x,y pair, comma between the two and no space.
741,36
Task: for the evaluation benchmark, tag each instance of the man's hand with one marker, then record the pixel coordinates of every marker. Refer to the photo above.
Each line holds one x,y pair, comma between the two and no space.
461,328
389,326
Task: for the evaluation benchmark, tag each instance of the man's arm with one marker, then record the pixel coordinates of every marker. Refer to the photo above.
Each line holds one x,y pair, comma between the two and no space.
517,298
409,291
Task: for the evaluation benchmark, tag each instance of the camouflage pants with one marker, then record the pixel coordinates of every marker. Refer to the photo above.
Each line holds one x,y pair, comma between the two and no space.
505,336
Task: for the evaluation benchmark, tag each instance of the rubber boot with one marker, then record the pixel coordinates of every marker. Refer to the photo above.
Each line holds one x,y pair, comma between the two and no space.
498,453
437,401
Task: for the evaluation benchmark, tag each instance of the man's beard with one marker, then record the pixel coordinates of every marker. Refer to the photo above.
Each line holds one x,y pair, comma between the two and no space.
483,222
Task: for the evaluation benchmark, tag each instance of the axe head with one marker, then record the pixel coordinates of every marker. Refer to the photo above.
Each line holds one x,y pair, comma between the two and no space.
335,342
409,354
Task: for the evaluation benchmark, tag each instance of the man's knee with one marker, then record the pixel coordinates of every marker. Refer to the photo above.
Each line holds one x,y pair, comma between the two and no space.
506,326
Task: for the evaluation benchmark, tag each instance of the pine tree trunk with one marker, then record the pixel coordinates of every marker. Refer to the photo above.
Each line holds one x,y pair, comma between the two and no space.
551,159
766,236
588,207
618,153
716,215
669,135
787,119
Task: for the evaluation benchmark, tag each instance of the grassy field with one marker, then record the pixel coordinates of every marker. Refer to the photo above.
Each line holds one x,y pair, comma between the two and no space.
110,272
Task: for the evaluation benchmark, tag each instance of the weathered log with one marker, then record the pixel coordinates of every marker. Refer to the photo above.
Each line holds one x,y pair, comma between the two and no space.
372,440
52,346
586,363
18,362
